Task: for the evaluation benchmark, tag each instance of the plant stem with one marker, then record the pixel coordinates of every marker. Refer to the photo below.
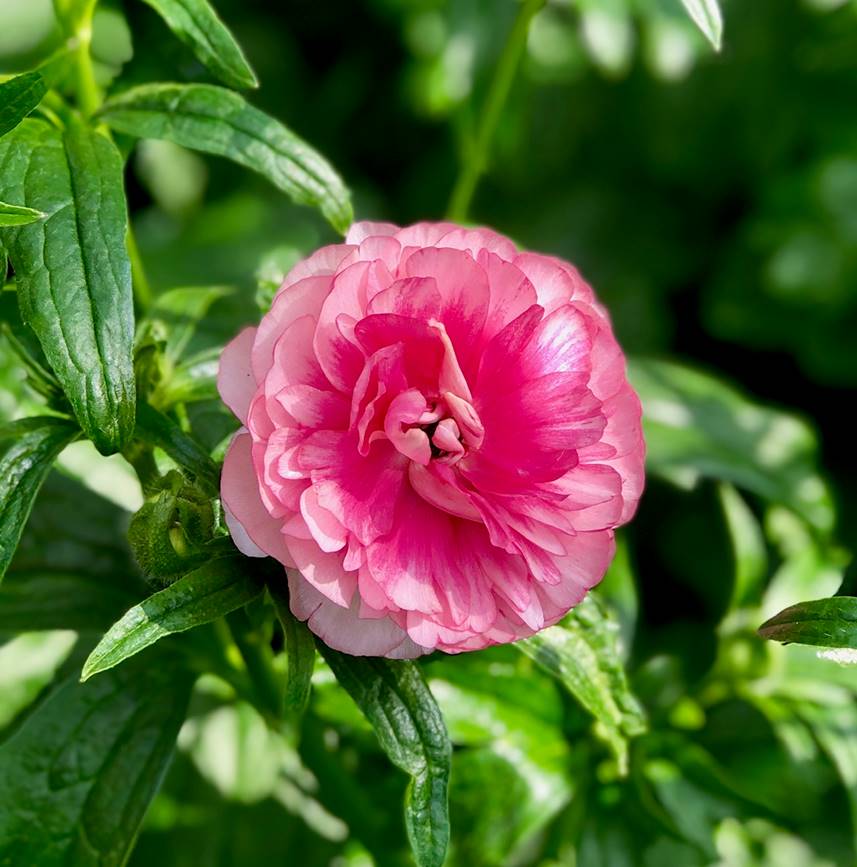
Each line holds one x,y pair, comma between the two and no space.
142,287
88,92
258,659
504,74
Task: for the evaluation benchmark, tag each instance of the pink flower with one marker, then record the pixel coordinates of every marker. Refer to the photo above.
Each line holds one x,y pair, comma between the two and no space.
439,440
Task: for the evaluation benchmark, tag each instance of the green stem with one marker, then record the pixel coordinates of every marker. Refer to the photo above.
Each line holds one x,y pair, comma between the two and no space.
88,92
259,661
142,287
504,74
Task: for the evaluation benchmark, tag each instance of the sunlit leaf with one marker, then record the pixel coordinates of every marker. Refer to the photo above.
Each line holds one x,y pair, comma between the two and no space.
706,15
204,595
215,120
822,622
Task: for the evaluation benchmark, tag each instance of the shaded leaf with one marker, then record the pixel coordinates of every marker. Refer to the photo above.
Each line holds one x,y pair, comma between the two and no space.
209,592
822,622
395,699
72,269
157,429
181,310
79,772
582,653
197,25
698,427
18,97
215,120
28,448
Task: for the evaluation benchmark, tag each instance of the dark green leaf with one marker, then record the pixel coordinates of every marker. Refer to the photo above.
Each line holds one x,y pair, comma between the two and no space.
217,121
197,25
155,428
79,772
16,215
63,600
72,269
300,651
395,699
582,653
698,427
209,592
18,97
823,622
27,449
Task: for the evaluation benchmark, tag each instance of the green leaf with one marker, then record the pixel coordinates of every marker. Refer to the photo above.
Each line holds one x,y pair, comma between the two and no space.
15,215
79,772
209,592
62,600
748,547
27,449
698,427
217,121
72,269
197,25
192,380
395,699
300,652
822,622
582,653
706,15
155,428
181,310
18,97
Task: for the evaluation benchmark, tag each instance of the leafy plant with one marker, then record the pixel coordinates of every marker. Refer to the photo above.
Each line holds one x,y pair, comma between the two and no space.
191,712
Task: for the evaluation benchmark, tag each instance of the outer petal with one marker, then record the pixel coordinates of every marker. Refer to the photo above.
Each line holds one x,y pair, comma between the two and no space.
235,380
344,629
367,229
240,492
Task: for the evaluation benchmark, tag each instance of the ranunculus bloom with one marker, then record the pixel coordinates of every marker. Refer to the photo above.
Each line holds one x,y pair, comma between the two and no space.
439,440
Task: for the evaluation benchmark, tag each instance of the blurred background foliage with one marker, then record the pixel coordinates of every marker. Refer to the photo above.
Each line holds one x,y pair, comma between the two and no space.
711,199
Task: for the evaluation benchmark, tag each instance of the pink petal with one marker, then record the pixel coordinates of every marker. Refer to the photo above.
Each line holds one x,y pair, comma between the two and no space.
343,629
366,229
240,493
323,571
235,380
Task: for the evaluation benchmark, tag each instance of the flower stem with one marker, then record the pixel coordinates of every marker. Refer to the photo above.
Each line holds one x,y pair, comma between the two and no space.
504,74
142,287
88,92
258,660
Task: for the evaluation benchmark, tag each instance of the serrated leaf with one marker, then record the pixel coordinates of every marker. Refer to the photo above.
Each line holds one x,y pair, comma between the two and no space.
16,215
300,652
707,17
18,97
157,429
395,699
28,448
72,269
217,121
699,427
197,25
81,769
822,622
582,653
209,592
